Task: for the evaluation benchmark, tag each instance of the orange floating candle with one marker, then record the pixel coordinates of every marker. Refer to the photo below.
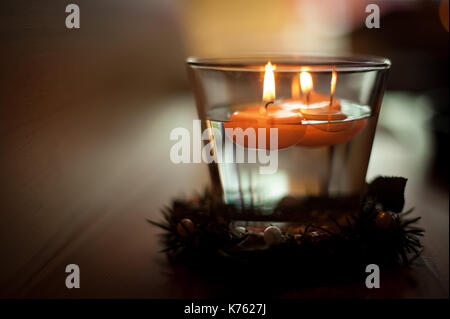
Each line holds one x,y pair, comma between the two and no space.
267,116
321,108
288,123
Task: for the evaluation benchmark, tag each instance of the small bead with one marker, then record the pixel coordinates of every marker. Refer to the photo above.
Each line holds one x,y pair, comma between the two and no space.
384,220
185,227
272,235
239,231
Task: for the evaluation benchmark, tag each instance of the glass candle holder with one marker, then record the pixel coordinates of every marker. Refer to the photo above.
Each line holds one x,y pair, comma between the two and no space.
289,136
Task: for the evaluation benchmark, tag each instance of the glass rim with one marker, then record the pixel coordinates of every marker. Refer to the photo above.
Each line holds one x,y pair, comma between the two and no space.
291,63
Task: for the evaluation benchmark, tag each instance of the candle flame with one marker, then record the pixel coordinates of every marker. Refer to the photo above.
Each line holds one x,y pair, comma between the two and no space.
332,89
333,81
306,82
269,83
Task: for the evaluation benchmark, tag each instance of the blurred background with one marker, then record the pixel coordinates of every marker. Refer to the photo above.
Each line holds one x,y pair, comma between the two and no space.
85,116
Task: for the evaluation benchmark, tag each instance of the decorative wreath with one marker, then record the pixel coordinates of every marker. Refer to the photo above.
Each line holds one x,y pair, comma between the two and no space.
197,232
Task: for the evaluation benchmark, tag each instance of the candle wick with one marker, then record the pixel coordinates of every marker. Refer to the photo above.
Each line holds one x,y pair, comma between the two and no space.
329,111
267,104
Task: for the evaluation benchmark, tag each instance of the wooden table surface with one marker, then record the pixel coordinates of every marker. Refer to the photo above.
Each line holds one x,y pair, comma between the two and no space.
118,251
85,117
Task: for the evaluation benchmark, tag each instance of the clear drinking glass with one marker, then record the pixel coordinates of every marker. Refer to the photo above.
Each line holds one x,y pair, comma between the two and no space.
325,110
